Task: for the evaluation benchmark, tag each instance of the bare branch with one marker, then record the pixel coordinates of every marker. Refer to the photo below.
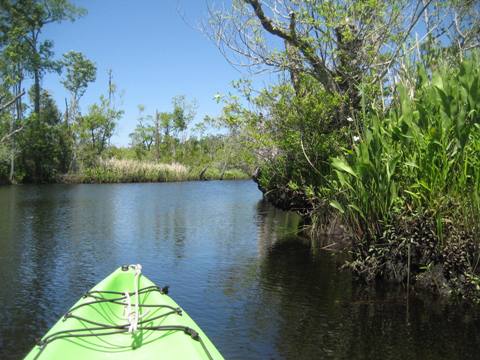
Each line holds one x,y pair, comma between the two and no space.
413,22
322,73
11,102
9,135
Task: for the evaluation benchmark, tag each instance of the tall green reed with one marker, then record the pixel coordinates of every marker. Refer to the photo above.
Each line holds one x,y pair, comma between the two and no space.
424,155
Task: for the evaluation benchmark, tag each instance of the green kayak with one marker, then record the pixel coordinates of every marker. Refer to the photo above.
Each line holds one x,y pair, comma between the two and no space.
109,323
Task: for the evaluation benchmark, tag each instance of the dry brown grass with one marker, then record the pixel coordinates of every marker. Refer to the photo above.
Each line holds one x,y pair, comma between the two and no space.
115,170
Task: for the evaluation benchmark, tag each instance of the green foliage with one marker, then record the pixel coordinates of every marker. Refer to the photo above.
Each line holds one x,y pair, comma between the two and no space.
79,73
143,135
183,113
96,128
4,163
22,23
350,47
160,137
163,130
116,171
423,156
42,148
289,133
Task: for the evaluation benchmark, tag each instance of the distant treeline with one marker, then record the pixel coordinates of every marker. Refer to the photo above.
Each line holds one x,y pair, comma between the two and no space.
39,143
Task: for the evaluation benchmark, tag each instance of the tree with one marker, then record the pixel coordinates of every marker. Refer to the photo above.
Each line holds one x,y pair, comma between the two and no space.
14,121
13,61
23,23
79,73
144,134
349,47
24,53
96,128
6,119
183,113
163,123
40,141
163,129
337,62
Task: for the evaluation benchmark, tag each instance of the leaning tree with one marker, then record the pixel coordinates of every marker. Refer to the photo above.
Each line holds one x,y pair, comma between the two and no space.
344,45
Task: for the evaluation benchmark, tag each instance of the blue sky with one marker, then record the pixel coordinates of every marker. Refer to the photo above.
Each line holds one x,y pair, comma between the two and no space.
153,52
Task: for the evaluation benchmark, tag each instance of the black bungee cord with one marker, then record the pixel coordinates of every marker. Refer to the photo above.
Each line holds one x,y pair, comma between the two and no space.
101,329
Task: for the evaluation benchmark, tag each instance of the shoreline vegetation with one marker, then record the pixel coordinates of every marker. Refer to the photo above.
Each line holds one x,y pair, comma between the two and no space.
39,141
134,171
371,126
405,187
385,143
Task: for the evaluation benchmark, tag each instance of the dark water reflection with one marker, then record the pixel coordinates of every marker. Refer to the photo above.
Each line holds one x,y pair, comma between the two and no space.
233,262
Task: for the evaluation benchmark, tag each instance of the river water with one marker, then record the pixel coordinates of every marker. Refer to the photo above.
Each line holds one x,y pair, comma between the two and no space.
232,262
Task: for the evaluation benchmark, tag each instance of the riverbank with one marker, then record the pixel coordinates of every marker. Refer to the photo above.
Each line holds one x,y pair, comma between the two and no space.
405,186
129,171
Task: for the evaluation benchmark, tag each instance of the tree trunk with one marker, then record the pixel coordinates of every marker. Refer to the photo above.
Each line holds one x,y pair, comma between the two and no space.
73,165
224,168
36,90
110,87
71,116
12,151
66,112
349,72
157,135
18,111
201,176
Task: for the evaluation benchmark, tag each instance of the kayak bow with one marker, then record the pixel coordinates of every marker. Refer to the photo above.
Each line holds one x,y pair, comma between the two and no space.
109,323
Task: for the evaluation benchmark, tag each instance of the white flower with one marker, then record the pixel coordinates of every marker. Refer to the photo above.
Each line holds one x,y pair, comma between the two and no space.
349,119
356,138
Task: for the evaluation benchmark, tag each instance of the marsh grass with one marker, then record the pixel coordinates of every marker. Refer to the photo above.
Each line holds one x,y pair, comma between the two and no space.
417,168
130,171
424,155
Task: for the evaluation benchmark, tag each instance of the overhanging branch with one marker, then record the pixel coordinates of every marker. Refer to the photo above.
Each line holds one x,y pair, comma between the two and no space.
11,102
321,72
6,137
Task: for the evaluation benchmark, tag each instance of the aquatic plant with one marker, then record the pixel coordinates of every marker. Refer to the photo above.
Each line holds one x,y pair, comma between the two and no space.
128,170
420,161
115,170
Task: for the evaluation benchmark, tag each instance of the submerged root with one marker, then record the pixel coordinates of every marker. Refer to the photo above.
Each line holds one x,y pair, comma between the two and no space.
445,262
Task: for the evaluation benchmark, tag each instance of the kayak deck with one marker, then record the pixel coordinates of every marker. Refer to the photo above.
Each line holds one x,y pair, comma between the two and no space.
97,326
